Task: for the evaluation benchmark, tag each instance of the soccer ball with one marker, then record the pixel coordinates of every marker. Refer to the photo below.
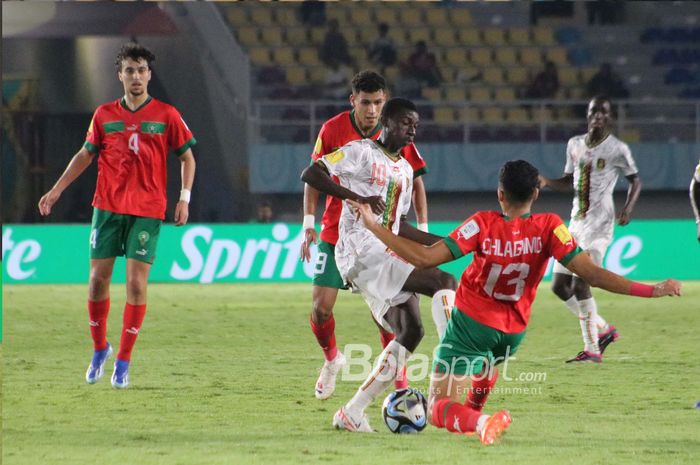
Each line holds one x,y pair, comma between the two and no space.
404,411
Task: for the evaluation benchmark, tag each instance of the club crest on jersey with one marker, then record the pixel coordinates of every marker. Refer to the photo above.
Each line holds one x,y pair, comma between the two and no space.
468,230
143,237
563,234
600,163
335,157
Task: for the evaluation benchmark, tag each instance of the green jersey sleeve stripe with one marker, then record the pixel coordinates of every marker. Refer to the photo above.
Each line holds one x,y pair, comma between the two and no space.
568,257
113,126
185,146
454,248
420,172
91,148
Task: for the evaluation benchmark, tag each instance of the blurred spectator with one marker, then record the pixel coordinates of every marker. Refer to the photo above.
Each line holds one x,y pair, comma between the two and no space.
265,213
606,82
604,11
334,47
337,80
546,83
422,65
382,52
312,12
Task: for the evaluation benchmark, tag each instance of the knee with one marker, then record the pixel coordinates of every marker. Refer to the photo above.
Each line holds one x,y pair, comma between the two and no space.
562,291
321,312
582,289
411,336
99,285
136,290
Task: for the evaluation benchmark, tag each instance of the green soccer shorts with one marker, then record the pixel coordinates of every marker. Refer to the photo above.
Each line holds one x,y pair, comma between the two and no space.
326,273
115,235
467,344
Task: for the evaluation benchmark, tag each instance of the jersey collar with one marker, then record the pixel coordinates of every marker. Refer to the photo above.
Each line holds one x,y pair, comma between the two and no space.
393,156
508,218
588,144
122,102
371,134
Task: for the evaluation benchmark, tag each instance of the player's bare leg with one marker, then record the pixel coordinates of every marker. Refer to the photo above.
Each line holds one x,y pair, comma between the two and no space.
439,286
134,311
405,320
323,327
98,311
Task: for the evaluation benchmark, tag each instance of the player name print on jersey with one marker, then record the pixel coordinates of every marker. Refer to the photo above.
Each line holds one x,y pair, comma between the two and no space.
531,245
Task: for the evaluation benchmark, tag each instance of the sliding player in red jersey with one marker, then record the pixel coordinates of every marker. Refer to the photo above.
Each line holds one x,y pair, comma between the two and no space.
369,93
511,249
131,137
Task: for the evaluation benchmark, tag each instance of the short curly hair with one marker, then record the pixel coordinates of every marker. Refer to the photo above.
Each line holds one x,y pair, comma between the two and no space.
135,52
518,179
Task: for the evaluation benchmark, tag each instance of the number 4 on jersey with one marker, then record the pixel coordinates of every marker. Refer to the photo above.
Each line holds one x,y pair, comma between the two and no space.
134,143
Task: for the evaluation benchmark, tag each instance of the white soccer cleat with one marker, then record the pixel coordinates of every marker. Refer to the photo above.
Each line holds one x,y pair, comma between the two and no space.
325,385
343,419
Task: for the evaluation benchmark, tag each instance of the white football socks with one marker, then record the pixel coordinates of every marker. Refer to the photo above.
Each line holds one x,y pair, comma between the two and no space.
572,305
589,324
390,362
443,302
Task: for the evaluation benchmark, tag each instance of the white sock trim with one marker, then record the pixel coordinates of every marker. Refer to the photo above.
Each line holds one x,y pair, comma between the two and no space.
441,306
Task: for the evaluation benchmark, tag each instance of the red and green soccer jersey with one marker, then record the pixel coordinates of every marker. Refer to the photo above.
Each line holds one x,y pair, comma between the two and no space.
133,148
335,133
510,259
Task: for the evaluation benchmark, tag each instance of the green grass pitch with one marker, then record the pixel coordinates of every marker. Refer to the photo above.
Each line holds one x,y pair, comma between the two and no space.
224,374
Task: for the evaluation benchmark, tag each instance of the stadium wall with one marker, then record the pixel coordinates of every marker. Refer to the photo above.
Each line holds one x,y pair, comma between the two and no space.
275,168
268,253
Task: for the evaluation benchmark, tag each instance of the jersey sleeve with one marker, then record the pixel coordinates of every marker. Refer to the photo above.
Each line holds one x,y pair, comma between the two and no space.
569,167
412,156
346,161
93,138
322,146
465,238
562,244
180,138
624,161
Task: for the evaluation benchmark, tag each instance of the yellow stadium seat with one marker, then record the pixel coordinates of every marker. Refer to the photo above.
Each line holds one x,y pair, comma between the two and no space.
480,94
568,76
387,14
403,53
237,16
456,56
361,17
411,16
445,37
543,36
248,36
317,74
364,35
283,56
493,76
286,16
337,12
272,35
506,56
460,17
517,115
587,73
574,93
416,34
308,56
480,56
504,94
431,93
519,36
469,37
398,35
436,17
296,36
449,74
455,94
259,56
444,115
541,114
517,76
557,55
469,115
492,115
261,16
531,56
494,36
296,75
316,34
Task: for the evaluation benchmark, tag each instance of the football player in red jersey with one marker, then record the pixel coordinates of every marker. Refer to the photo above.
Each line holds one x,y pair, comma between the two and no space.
132,137
511,249
369,93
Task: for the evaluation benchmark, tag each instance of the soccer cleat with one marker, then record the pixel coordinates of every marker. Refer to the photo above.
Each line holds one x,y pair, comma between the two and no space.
120,377
494,427
586,357
607,337
96,369
343,419
325,385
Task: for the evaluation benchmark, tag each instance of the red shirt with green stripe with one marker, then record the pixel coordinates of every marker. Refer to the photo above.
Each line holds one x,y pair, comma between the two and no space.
133,148
335,133
510,259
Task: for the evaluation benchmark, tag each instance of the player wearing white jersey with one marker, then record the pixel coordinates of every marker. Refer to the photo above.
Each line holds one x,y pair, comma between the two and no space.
695,196
374,173
594,162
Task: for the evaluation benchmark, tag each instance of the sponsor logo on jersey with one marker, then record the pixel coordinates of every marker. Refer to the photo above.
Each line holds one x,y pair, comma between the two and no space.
563,234
131,128
600,163
468,230
335,157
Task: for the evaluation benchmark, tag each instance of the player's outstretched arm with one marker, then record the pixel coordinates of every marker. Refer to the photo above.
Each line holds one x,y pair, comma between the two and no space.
633,191
417,254
596,276
310,236
695,201
420,204
75,168
422,237
563,184
187,169
317,177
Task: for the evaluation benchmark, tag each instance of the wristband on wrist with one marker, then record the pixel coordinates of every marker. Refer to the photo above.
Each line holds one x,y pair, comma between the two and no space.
185,195
641,290
309,222
422,227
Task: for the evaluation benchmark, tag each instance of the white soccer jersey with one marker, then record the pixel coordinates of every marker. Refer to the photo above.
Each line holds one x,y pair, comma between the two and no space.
367,169
596,171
